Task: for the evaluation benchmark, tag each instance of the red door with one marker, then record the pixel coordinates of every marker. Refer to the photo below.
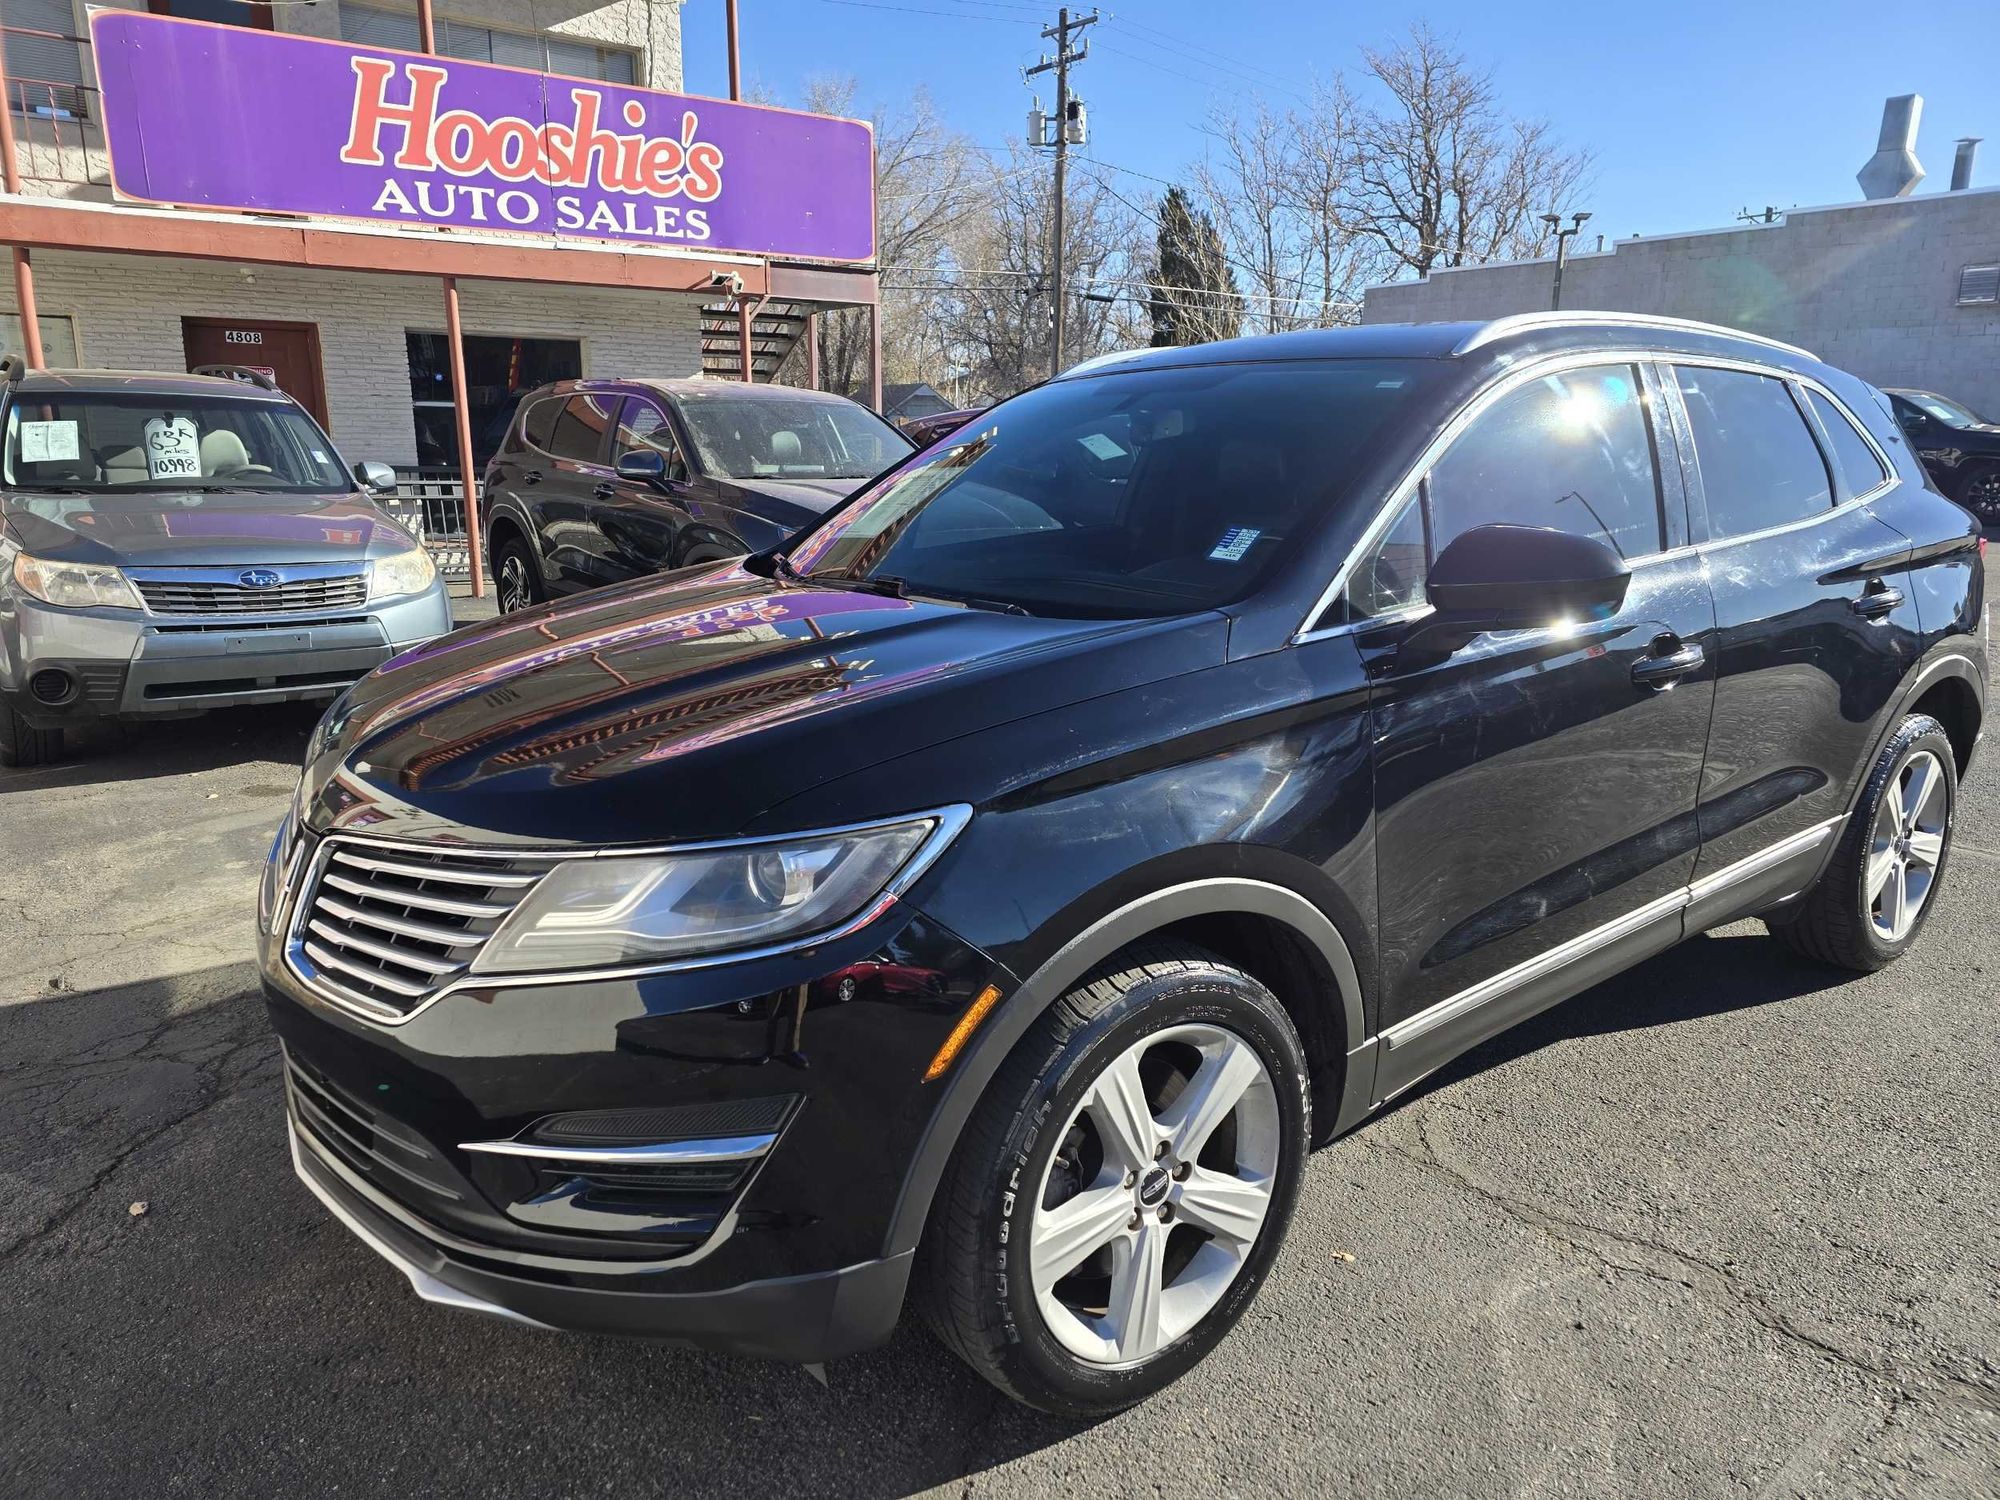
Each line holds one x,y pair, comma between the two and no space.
287,352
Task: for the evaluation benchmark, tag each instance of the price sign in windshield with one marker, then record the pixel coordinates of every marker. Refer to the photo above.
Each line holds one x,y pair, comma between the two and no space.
173,448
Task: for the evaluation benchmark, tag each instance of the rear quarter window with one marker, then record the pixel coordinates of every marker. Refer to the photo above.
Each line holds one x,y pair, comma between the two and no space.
1760,464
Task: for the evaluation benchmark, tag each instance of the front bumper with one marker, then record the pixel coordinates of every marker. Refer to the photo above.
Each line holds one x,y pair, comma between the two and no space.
786,1259
807,1319
129,664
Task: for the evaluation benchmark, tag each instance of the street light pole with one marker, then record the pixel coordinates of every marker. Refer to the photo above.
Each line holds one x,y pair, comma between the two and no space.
1563,237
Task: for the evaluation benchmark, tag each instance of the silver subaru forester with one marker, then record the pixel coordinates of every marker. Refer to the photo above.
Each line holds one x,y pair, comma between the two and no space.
171,543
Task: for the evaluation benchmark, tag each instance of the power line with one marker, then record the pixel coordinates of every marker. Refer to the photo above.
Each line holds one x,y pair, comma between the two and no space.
1269,82
1199,49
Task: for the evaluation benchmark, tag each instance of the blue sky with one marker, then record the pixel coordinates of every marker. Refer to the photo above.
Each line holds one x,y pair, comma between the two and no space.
1692,111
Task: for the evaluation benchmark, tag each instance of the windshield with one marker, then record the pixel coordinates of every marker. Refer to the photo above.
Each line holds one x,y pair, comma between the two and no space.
1140,493
773,438
115,442
1948,412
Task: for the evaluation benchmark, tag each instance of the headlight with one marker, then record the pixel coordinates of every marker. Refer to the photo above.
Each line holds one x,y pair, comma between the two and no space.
400,573
592,913
73,585
272,885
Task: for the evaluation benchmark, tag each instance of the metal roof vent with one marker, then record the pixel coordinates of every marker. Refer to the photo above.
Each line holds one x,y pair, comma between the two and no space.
1961,164
1894,169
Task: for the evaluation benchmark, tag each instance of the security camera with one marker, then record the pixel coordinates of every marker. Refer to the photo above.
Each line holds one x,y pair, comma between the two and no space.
727,280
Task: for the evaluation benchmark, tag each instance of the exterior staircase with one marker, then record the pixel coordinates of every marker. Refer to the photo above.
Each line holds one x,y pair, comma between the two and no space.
774,329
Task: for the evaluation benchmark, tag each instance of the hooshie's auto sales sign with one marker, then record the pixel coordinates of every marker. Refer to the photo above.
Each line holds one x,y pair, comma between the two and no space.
227,117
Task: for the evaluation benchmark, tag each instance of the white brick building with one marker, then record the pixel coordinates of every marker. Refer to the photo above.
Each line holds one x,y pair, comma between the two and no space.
382,383
1879,288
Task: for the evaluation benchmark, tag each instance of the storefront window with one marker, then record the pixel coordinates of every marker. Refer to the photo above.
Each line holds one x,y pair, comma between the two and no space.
517,49
222,12
498,371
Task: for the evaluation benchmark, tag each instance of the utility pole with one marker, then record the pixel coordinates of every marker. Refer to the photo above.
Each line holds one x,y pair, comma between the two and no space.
1563,237
1068,127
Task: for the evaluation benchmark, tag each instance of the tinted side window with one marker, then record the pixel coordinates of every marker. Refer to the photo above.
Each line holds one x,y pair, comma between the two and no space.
1573,452
580,429
644,425
1859,467
540,421
1759,463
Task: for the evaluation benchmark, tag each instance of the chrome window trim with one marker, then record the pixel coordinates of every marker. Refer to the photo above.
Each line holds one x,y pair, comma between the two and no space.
1551,959
951,821
1511,380
1480,402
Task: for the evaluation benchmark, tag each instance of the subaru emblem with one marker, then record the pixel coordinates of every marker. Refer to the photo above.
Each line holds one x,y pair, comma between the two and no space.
258,578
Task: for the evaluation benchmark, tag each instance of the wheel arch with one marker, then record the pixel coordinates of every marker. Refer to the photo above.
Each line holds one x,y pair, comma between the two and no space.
1273,933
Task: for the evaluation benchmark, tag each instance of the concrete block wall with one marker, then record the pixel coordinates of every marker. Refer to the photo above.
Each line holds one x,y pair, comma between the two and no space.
1871,287
127,312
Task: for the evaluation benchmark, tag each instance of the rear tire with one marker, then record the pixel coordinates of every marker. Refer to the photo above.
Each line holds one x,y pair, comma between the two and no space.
1086,1312
22,744
517,580
1873,900
1979,492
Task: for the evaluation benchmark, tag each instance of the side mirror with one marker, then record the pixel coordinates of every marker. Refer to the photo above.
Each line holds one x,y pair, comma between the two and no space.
642,465
1517,577
376,478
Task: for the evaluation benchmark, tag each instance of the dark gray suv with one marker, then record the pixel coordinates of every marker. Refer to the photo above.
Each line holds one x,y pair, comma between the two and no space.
171,543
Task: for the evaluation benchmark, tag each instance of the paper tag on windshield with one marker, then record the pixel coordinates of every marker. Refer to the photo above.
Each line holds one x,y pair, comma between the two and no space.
173,448
1235,542
47,442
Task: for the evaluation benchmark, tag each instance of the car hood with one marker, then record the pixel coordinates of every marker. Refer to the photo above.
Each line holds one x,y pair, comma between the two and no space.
802,500
684,706
188,529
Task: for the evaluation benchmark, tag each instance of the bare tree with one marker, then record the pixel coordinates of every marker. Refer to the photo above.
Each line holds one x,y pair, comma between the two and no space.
927,183
1442,175
999,317
1282,186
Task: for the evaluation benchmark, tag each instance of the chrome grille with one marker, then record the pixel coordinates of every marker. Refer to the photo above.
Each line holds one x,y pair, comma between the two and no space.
385,926
226,596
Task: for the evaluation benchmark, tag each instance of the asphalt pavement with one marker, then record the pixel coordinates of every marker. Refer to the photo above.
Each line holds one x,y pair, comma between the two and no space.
1727,1225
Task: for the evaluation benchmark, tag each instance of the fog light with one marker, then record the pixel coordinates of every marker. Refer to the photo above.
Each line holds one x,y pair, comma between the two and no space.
52,686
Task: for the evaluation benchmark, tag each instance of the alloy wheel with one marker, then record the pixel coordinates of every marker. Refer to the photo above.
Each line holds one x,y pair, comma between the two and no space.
1907,845
1156,1194
514,591
1982,496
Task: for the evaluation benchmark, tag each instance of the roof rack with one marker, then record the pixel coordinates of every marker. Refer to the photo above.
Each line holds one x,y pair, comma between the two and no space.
1501,327
247,374
12,368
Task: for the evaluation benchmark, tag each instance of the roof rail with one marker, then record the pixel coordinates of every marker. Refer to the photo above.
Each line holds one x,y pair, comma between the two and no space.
12,368
247,374
1500,327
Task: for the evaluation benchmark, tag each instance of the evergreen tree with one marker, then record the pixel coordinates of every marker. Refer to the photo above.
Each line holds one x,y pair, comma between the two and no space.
1191,291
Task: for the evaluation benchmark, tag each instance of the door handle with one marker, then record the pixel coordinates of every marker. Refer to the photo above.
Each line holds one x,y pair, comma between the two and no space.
1876,600
604,490
531,476
1662,669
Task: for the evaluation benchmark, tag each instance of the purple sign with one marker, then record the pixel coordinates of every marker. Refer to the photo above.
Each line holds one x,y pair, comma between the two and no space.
230,117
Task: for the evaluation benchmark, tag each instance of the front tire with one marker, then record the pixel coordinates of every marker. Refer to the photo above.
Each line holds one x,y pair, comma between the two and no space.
22,744
1123,1187
517,581
1869,907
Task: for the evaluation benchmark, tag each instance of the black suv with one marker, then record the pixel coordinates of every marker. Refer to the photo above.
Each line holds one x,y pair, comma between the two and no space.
1006,886
1960,448
598,481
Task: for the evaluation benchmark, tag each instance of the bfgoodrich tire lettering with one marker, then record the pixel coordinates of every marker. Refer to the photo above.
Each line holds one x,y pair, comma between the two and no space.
1846,919
978,1282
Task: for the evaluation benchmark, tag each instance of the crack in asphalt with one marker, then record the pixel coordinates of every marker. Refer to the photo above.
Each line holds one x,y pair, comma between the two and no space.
1699,1275
214,1083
